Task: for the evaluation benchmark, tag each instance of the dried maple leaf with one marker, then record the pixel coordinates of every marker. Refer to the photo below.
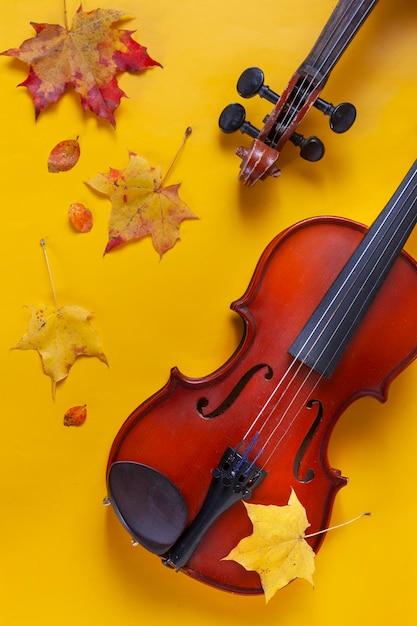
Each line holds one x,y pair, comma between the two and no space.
87,56
277,548
80,217
141,205
60,336
76,415
64,156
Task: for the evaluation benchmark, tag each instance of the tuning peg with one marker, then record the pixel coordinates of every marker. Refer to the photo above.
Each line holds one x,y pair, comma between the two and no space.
341,116
232,118
311,148
251,83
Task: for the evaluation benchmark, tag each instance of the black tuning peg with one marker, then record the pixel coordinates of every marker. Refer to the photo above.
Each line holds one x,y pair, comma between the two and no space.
311,148
341,116
251,83
232,118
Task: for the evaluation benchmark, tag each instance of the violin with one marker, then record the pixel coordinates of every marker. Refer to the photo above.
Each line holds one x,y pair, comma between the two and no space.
330,315
302,92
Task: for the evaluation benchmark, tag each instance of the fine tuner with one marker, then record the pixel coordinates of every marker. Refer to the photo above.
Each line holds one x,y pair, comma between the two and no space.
302,92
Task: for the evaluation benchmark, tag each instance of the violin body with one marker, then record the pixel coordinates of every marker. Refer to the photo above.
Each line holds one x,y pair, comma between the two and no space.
182,431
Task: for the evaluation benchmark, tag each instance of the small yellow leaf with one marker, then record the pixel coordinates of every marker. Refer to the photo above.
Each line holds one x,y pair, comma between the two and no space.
141,205
277,549
60,336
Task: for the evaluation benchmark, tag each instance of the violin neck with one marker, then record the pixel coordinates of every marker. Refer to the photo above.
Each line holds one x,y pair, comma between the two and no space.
327,333
343,24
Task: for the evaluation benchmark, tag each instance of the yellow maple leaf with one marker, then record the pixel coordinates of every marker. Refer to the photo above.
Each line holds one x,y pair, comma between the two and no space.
60,336
141,205
277,548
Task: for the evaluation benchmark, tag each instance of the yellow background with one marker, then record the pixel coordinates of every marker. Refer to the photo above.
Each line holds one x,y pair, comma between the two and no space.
64,558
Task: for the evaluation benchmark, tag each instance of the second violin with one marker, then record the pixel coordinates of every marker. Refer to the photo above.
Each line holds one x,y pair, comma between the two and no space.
302,92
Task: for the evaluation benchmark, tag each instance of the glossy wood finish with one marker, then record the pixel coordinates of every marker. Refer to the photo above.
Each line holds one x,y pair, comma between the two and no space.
184,429
302,92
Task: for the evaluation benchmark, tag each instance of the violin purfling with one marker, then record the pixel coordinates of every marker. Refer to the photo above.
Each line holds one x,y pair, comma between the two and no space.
330,316
259,161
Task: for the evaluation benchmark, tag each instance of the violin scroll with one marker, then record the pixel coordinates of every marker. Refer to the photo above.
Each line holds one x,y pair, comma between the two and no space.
259,161
301,93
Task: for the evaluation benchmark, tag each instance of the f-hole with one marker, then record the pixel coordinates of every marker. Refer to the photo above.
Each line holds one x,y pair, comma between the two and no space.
309,474
235,393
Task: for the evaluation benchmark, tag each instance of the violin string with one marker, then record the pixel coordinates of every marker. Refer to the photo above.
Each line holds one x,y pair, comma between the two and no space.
363,269
292,110
310,391
318,323
300,363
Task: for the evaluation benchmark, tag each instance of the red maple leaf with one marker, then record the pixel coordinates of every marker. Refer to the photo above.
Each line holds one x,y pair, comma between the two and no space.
87,56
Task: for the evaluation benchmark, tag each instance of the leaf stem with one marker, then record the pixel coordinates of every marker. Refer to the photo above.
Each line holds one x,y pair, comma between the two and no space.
65,15
187,133
320,532
51,280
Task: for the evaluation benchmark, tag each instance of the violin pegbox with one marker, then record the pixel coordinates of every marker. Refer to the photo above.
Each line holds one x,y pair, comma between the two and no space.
259,161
